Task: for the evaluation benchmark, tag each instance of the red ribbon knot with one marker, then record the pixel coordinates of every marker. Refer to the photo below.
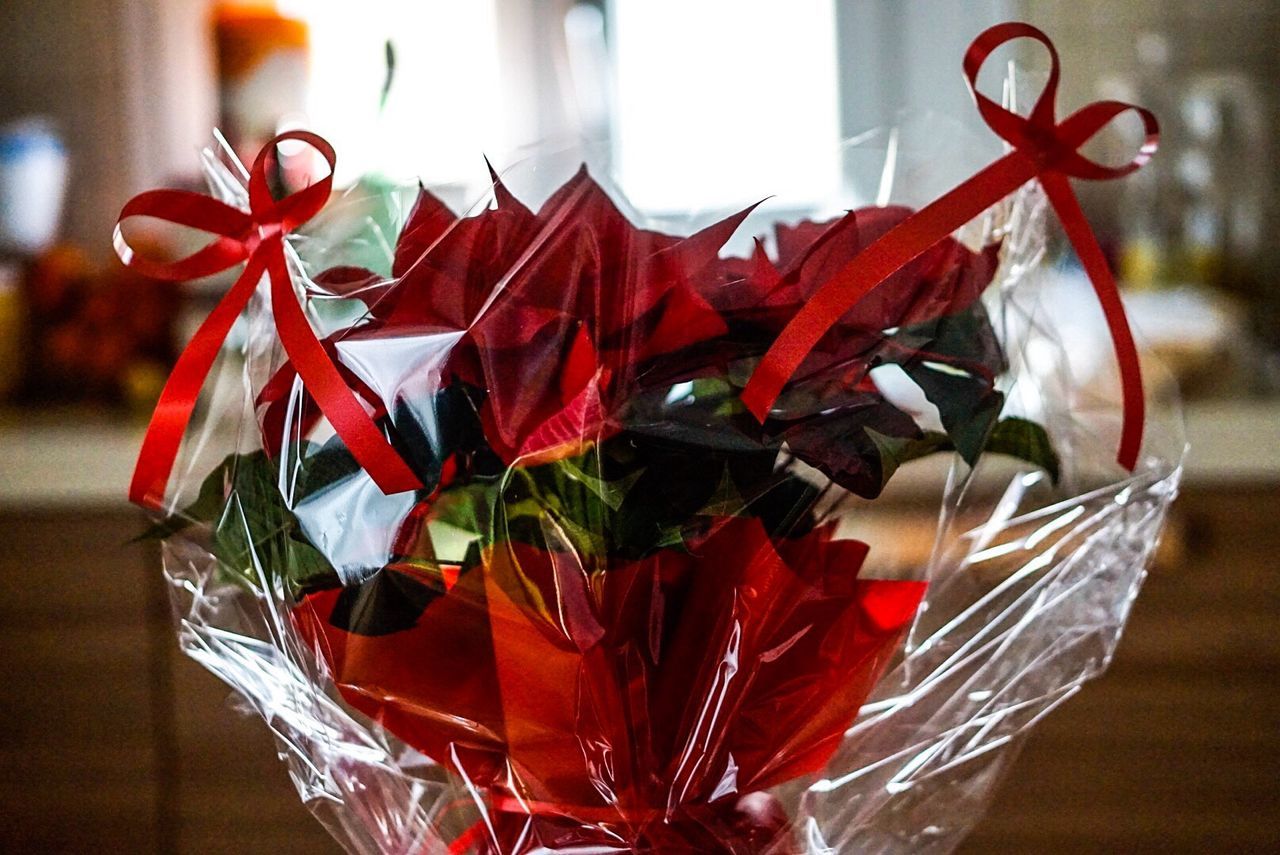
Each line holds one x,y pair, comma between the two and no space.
255,237
1044,149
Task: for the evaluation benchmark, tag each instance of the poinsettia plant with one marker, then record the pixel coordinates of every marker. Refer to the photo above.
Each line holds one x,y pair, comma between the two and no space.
543,545
600,512
603,363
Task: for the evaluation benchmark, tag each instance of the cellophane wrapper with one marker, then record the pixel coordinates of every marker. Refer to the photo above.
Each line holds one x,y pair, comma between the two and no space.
623,615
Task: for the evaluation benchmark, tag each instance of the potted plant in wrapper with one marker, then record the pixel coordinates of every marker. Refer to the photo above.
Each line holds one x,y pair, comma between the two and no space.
614,603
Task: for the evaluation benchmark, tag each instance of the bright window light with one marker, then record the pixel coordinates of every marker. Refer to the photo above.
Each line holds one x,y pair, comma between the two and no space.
444,109
718,100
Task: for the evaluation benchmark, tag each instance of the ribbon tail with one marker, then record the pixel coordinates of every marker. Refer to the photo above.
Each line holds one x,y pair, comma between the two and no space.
1058,189
893,251
323,380
177,402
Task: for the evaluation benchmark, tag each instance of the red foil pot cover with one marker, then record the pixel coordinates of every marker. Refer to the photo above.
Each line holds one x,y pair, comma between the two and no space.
642,694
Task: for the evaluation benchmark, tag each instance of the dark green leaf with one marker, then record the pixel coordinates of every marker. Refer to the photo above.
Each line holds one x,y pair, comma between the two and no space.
252,532
955,361
1014,437
1025,440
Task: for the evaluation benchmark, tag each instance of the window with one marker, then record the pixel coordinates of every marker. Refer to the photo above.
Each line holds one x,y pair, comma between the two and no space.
443,109
701,105
720,102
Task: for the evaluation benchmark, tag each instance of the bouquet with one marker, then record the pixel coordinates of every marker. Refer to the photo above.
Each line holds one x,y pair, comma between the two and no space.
534,533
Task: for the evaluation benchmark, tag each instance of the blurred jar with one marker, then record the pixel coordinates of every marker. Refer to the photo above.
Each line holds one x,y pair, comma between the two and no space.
33,183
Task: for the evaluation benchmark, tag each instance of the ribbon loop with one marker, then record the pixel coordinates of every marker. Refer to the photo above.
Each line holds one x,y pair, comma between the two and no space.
1087,122
1044,150
1040,134
1017,130
195,211
255,237
300,206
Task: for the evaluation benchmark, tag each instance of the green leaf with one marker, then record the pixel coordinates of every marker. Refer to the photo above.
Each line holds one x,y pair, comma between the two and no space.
467,506
848,442
252,531
1025,440
205,509
1013,436
955,360
895,450
625,497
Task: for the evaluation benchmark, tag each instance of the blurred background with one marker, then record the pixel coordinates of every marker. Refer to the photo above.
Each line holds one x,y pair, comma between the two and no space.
109,738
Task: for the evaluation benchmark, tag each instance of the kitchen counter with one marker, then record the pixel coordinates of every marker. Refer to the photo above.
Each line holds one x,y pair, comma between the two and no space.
78,458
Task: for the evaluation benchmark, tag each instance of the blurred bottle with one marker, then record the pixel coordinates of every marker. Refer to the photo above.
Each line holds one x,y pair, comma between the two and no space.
33,183
1220,178
1146,231
1194,215
262,72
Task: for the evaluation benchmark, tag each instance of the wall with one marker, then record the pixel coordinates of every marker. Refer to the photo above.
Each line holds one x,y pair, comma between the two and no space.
132,115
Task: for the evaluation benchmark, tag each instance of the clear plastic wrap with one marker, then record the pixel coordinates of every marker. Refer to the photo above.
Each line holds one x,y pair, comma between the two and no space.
620,613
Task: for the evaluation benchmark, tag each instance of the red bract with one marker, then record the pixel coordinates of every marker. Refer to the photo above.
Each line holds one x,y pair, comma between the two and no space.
561,309
563,319
645,694
763,295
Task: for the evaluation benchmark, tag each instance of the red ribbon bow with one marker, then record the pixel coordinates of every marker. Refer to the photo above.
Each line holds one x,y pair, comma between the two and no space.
1043,149
255,237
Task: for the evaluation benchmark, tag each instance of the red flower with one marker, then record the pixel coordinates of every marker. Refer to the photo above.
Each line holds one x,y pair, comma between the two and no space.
565,323
764,295
629,692
561,309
